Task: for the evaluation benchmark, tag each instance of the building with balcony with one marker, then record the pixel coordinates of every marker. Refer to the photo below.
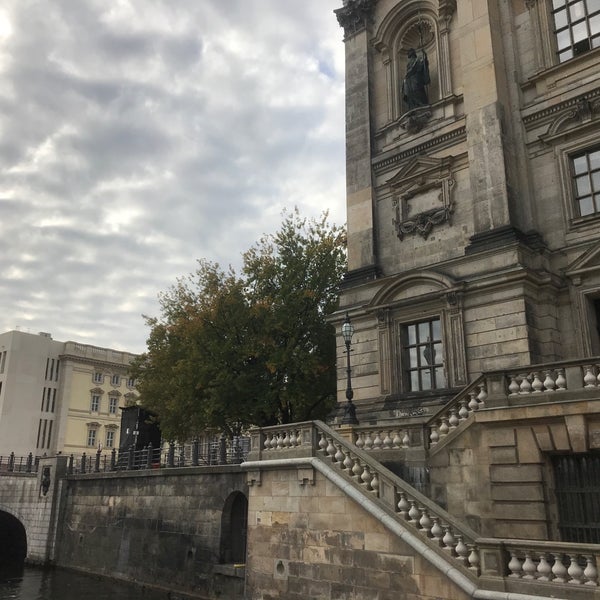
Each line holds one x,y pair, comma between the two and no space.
60,397
473,284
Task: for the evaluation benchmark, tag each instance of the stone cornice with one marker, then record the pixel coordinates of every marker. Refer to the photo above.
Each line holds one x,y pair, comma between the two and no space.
354,15
454,135
95,362
552,111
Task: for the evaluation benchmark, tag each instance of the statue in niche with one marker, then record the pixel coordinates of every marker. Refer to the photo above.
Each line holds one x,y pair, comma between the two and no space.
414,84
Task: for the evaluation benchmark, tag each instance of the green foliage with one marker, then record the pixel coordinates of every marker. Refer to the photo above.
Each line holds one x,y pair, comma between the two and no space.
231,351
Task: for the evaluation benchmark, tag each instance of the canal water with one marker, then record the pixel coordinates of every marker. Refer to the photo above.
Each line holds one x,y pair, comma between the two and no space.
32,583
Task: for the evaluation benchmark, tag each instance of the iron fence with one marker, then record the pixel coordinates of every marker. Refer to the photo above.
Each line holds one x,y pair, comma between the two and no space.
218,452
19,464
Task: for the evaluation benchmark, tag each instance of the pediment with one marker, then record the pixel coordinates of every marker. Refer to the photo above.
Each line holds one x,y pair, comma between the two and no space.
588,261
96,390
421,172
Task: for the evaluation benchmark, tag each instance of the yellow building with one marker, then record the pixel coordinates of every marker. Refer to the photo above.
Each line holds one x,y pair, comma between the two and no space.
60,396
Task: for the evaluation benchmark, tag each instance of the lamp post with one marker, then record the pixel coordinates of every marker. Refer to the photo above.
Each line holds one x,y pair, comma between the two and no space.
349,417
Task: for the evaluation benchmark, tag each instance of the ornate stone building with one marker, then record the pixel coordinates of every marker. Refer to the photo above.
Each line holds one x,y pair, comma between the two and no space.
473,248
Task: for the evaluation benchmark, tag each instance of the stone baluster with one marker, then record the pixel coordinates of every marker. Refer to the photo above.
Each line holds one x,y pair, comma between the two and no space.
561,380
403,506
544,571
339,455
294,439
448,540
414,513
589,379
436,530
525,387
514,565
473,404
387,441
513,387
424,522
549,384
590,572
461,549
453,420
375,484
434,436
463,411
529,567
366,477
267,442
537,384
559,570
444,428
286,439
397,441
348,462
482,396
322,442
473,559
330,450
406,439
360,441
368,441
377,442
574,571
357,469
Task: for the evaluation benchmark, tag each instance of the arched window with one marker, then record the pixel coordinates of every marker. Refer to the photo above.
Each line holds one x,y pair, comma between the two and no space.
234,527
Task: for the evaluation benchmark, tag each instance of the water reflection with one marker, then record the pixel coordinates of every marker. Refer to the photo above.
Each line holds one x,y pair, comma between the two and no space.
29,583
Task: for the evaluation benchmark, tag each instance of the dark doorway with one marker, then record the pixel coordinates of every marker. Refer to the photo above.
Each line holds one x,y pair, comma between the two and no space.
13,548
577,485
234,527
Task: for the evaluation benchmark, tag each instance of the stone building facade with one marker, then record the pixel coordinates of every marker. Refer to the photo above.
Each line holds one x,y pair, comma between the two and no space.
60,396
473,248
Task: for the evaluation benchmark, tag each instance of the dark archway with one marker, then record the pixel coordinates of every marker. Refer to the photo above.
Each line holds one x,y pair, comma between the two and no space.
13,548
234,527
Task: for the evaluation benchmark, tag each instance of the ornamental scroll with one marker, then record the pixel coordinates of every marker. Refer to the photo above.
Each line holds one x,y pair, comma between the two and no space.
422,196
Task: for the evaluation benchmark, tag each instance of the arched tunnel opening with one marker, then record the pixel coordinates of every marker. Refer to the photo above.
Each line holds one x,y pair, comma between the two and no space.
13,548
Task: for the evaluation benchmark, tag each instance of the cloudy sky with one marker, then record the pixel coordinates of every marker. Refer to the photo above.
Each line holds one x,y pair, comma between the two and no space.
137,136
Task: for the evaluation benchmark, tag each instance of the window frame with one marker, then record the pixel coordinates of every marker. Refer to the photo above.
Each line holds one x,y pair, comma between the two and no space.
98,377
110,438
115,379
91,437
96,401
588,174
415,363
113,402
570,24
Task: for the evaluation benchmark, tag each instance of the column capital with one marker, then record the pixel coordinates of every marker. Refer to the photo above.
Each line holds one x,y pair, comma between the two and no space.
354,15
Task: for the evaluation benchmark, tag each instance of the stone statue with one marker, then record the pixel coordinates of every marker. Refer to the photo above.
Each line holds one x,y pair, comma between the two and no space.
414,92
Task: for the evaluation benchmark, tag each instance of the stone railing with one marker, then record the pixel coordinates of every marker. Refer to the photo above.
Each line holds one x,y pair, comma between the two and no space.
548,562
481,559
526,385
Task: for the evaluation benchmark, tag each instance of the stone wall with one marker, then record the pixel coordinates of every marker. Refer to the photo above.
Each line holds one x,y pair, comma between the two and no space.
308,539
160,528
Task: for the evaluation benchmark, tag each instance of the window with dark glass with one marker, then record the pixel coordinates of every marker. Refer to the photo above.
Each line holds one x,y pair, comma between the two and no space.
423,356
95,403
91,437
576,25
113,402
586,180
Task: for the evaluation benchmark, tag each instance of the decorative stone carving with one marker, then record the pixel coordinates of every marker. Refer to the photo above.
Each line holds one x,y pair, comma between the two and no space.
354,15
581,112
422,196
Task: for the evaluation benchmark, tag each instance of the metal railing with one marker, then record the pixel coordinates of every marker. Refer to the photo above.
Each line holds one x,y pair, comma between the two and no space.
19,464
219,452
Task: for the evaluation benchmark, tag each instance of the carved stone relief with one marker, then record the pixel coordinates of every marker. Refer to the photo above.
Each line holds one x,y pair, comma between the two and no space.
422,196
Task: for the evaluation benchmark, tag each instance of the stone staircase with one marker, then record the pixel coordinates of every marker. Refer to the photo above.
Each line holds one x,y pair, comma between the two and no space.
490,568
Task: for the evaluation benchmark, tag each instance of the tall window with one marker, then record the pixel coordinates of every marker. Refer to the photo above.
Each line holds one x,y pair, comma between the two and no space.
98,377
115,380
113,402
423,356
576,25
586,179
95,403
110,438
91,437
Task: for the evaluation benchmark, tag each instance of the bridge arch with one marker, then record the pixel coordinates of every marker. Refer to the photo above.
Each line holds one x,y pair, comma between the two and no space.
234,527
13,549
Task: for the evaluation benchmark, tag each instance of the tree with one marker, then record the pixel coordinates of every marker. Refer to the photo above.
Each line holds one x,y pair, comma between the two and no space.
230,351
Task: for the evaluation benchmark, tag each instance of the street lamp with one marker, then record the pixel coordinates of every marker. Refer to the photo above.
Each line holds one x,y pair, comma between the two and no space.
349,417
